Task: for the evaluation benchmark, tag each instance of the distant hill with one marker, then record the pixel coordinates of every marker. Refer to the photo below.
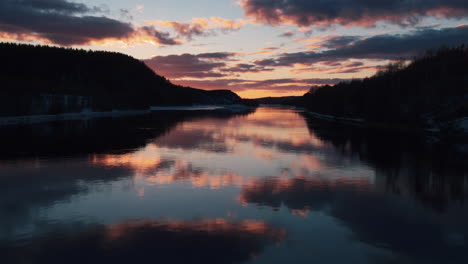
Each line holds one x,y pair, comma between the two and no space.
48,80
286,100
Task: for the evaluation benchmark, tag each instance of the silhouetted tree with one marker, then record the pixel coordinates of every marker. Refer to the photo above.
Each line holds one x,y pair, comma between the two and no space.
434,85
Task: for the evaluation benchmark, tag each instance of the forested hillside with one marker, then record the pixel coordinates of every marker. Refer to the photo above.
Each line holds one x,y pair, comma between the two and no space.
47,80
428,91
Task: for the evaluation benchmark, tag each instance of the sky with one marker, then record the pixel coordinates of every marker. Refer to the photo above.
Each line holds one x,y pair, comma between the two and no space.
256,48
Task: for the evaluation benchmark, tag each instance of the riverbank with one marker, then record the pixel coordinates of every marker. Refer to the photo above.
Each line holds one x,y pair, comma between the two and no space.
84,115
454,133
34,119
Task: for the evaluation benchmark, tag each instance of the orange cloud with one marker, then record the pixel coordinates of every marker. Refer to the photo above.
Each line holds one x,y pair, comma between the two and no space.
67,23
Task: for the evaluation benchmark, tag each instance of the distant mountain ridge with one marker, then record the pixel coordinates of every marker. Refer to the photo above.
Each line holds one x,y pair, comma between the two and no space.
286,100
50,80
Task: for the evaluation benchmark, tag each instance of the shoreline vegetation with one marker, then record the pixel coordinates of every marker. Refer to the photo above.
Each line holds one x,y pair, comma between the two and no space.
428,94
43,80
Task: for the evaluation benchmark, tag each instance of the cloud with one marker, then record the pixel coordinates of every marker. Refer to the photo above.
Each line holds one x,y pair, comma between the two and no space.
216,55
201,26
198,27
246,68
140,8
380,47
150,33
339,41
333,54
357,69
67,23
337,67
204,65
227,24
287,34
365,13
189,65
328,41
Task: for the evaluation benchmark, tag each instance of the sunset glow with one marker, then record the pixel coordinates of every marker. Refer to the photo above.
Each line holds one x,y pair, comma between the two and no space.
254,48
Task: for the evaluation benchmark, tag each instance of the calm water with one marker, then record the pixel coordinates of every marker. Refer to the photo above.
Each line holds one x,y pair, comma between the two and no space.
270,186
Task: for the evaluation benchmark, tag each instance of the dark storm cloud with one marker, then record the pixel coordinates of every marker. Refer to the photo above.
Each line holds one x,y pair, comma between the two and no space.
378,47
66,23
351,12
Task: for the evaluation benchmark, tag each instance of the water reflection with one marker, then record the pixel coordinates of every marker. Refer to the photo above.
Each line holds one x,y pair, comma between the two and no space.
212,241
104,135
376,218
372,196
403,164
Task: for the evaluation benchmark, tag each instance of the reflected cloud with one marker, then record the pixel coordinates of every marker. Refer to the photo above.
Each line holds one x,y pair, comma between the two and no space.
207,241
265,125
26,190
300,194
148,168
190,138
210,152
403,164
411,232
196,177
140,162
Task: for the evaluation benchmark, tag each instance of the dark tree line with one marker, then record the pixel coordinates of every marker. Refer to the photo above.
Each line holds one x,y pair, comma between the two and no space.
111,80
434,85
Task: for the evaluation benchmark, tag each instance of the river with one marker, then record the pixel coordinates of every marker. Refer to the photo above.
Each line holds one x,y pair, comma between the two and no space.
271,185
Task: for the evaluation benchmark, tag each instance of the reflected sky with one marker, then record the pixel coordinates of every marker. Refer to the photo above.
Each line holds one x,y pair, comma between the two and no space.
271,186
174,241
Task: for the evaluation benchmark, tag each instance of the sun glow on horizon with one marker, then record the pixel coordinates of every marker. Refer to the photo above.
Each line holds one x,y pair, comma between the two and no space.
254,49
